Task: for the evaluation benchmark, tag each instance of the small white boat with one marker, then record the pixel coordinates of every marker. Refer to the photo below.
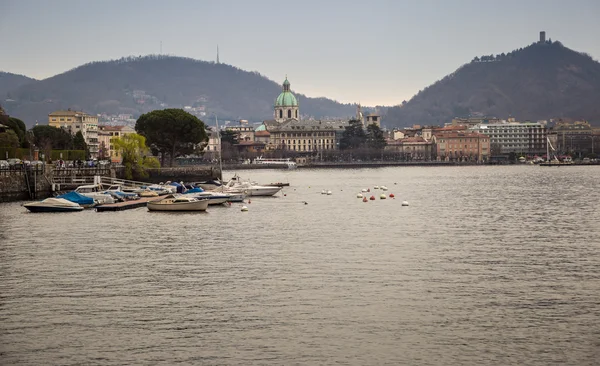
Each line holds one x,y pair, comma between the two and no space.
235,185
95,192
214,198
178,203
53,205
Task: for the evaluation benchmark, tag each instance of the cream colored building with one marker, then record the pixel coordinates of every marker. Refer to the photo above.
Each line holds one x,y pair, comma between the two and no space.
110,133
75,121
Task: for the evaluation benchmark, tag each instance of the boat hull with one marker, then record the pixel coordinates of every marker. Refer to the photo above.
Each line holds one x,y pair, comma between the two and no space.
179,206
33,208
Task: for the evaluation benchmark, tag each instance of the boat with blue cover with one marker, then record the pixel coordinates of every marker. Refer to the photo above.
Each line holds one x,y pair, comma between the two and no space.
81,200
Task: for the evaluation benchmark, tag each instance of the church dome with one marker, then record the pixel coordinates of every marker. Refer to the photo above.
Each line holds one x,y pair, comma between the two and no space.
286,98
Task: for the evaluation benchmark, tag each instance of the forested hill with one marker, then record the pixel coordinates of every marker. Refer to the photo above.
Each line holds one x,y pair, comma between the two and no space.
541,81
137,85
10,82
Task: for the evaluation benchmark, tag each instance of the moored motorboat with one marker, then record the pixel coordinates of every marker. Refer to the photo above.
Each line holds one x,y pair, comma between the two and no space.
214,198
95,192
178,203
81,200
53,205
250,189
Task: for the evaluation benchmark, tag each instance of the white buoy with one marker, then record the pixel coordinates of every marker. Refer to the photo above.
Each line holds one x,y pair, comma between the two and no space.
364,190
382,196
329,193
323,192
376,187
384,188
359,195
404,203
244,208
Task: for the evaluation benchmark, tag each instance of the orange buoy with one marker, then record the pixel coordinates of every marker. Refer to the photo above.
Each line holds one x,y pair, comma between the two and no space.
249,201
369,190
284,195
391,195
365,199
372,198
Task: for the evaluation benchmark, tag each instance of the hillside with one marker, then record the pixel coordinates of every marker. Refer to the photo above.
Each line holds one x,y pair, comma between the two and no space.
541,81
10,82
137,85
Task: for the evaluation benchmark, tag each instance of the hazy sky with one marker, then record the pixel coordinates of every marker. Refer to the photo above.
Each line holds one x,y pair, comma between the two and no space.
373,52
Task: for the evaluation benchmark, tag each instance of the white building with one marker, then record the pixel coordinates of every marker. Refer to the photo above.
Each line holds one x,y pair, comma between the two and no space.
517,137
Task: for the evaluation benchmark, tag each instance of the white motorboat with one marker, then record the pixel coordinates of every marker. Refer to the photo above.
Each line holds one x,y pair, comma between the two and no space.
178,203
162,189
236,185
115,190
215,197
53,205
95,192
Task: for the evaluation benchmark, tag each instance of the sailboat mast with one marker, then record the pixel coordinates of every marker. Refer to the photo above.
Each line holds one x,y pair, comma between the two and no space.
220,150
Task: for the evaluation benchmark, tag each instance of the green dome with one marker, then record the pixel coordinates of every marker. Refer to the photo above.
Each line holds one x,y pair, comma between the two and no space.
260,128
286,99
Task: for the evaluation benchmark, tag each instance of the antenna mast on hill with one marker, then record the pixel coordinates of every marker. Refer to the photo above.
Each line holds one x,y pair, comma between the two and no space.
218,54
161,47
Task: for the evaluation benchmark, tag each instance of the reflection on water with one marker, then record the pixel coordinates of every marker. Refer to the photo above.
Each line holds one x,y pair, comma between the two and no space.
488,265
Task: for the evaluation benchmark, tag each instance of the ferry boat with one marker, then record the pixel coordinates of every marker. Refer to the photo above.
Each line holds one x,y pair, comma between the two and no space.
276,162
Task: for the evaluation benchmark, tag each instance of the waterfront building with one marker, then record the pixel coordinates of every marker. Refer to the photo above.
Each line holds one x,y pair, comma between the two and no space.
462,146
213,146
75,121
304,135
413,148
515,137
111,133
243,130
577,137
288,132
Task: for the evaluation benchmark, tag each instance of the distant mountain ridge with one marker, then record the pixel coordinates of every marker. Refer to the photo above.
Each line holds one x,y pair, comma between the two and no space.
136,85
542,81
9,81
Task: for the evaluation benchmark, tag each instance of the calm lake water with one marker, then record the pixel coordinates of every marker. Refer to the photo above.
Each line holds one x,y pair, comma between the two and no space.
487,266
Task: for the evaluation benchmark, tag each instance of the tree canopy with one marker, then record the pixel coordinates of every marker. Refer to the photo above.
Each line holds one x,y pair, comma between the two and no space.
9,139
18,127
79,142
229,136
375,139
132,148
48,137
354,136
172,132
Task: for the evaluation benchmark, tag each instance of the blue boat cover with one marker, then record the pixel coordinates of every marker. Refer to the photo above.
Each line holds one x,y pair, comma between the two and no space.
180,188
77,198
195,190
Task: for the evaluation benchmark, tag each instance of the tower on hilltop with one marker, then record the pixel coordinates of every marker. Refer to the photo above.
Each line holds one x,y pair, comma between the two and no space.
542,37
218,54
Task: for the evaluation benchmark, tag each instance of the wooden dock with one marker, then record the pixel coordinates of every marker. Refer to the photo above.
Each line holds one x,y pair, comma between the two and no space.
126,205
